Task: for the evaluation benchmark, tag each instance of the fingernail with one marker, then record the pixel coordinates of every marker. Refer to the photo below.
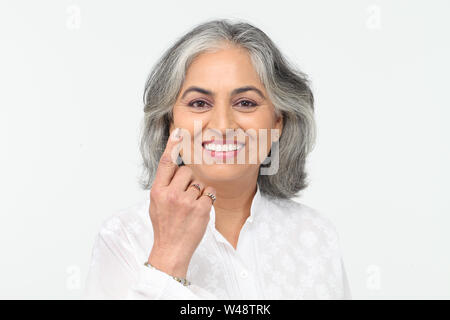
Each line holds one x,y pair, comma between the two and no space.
174,136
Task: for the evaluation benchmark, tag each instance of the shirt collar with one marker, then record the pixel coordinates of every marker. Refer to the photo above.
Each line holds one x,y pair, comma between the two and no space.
256,206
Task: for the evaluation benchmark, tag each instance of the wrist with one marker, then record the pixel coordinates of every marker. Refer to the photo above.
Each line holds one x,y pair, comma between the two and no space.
181,280
167,265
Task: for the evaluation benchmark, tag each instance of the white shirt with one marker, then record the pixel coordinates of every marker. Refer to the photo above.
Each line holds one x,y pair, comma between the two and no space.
286,250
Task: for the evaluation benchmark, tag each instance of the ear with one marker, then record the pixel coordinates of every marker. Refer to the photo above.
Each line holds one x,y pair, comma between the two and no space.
278,125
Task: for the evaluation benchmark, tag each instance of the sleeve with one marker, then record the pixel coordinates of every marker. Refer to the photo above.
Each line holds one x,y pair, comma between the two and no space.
333,239
346,285
115,273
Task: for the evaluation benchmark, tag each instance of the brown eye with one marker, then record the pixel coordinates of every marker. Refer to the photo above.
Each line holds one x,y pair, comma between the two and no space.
198,104
246,104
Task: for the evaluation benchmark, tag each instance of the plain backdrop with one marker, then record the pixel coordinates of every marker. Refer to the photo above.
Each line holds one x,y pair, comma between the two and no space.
72,75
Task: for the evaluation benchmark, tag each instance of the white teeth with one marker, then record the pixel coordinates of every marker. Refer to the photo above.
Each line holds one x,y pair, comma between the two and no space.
224,147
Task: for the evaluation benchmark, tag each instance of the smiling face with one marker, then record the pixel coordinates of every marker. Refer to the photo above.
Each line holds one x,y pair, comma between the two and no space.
223,91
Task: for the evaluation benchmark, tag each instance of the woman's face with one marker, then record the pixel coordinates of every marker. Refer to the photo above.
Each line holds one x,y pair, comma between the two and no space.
248,115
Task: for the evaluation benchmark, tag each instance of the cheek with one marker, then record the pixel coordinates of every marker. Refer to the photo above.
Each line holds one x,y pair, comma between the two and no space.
181,118
259,124
260,142
263,118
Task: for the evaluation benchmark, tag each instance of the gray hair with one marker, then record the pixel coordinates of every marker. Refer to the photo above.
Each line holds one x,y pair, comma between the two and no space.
288,89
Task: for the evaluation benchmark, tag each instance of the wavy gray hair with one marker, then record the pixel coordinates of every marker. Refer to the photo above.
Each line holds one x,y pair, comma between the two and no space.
288,89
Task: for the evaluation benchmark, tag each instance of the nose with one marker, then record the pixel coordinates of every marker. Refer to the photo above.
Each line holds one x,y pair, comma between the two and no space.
222,118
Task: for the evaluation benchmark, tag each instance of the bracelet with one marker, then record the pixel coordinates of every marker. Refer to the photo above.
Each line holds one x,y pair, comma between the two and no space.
183,281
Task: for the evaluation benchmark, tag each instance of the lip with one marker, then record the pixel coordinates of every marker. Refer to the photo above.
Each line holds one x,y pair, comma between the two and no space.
222,142
222,154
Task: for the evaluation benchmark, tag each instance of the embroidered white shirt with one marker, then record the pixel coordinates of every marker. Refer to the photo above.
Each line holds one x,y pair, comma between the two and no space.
285,250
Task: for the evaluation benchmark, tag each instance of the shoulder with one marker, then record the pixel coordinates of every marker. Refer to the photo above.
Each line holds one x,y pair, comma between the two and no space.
127,221
299,212
119,246
308,225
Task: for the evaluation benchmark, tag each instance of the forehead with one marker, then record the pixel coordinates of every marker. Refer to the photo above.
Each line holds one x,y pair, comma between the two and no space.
226,68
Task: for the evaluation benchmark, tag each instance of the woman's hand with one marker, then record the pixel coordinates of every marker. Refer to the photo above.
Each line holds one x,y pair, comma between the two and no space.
179,213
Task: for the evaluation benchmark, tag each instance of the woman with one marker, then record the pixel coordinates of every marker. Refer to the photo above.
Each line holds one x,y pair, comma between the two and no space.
217,224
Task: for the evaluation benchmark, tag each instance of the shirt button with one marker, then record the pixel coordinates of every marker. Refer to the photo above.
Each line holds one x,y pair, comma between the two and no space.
244,274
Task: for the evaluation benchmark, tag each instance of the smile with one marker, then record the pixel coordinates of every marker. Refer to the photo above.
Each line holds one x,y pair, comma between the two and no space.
222,150
222,147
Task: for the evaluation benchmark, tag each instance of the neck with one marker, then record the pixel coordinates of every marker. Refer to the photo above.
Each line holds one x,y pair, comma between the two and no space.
235,197
232,206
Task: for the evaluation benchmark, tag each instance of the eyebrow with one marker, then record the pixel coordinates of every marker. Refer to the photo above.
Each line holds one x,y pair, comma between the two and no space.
234,92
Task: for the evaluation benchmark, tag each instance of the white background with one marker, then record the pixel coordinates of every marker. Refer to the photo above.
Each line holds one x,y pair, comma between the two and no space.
72,75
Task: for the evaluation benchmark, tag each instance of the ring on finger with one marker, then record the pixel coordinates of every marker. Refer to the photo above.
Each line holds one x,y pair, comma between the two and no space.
212,196
196,186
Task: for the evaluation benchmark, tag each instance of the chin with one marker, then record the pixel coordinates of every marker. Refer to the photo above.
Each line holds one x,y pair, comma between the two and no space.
222,172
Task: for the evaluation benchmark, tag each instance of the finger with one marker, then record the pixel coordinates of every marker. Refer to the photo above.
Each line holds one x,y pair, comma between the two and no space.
167,164
204,200
182,179
195,193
